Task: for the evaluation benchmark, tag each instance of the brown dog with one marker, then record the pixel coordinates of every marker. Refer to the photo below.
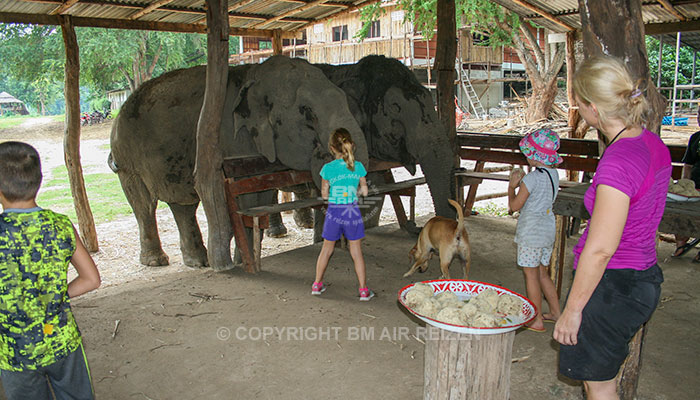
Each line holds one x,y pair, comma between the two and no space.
446,236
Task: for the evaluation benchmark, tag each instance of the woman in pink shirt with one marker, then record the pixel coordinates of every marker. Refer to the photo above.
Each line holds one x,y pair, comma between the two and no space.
617,281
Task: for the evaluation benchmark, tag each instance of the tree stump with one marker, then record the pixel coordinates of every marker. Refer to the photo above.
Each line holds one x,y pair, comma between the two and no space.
465,366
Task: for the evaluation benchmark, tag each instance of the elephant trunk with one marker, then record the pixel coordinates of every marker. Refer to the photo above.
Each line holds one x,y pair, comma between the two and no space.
437,163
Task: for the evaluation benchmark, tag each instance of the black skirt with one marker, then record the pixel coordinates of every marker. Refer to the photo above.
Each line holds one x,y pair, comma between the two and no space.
621,303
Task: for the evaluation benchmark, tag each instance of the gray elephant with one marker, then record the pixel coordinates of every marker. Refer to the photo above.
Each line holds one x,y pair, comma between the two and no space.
283,109
398,117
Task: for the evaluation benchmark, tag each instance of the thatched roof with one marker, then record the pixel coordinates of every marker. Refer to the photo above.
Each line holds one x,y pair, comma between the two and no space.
6,98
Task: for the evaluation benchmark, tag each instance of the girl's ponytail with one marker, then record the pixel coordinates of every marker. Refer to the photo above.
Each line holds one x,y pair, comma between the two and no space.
341,143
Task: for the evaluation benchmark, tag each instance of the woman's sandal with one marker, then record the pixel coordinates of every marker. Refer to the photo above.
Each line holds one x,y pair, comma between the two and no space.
685,248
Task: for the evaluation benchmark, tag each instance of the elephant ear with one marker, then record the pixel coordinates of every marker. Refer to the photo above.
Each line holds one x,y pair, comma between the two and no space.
251,111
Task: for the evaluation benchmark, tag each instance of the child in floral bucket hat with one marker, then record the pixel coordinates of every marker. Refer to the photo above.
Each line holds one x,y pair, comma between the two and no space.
535,232
541,146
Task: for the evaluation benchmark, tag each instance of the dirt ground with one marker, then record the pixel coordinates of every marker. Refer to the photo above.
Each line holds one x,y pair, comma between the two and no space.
185,334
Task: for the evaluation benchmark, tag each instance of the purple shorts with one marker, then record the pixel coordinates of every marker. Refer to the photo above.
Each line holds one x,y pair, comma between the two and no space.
343,220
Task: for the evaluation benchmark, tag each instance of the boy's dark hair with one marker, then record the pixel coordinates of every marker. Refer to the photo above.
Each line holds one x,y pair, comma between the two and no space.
20,171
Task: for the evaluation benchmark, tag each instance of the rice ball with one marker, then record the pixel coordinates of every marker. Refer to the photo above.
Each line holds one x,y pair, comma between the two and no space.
491,296
446,298
469,310
509,305
484,320
451,315
429,307
423,287
415,297
483,305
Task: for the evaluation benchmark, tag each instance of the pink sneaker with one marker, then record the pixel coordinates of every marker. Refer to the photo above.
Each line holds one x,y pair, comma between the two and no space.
317,288
366,294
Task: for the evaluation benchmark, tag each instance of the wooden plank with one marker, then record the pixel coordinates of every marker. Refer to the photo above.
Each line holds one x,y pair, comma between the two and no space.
270,181
570,162
505,178
396,201
545,14
397,187
584,147
41,19
236,167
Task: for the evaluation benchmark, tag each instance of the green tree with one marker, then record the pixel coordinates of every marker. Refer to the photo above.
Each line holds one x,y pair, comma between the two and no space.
504,28
32,59
135,56
668,61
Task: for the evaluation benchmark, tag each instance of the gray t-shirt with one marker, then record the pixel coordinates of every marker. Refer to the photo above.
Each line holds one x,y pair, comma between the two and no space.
536,224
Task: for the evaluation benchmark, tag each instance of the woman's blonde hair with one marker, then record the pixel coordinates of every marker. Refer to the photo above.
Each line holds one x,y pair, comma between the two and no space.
606,82
341,144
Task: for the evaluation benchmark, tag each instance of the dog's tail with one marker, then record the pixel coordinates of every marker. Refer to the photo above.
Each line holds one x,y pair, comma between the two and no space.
460,217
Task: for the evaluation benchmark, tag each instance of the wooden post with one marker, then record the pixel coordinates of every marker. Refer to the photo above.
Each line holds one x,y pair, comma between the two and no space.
573,111
71,137
675,81
257,244
556,264
208,173
628,376
277,42
445,56
464,366
658,67
471,195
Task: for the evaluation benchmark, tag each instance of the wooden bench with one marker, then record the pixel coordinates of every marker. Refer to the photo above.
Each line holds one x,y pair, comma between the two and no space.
256,174
577,154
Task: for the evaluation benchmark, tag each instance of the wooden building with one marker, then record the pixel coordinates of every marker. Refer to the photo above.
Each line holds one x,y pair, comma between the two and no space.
117,98
10,104
334,42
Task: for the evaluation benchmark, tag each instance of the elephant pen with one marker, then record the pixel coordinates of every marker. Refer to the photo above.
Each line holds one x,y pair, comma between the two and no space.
212,335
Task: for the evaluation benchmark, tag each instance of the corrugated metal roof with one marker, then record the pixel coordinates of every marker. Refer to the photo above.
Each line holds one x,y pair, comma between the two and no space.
242,13
653,12
190,14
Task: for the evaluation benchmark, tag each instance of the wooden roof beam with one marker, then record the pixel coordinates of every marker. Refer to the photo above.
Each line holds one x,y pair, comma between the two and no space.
63,7
293,11
672,27
152,7
669,7
544,13
339,13
43,19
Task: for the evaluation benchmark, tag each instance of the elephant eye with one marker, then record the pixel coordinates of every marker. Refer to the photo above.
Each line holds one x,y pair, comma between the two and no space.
308,114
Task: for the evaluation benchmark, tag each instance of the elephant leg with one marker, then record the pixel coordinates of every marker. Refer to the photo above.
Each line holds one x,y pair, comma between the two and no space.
144,206
303,217
277,228
194,254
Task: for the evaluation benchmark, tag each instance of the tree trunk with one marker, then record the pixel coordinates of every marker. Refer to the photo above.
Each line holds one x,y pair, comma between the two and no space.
208,173
539,104
71,137
616,28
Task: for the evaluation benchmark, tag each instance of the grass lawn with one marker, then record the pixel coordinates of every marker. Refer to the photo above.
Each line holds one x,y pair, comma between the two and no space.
9,122
105,194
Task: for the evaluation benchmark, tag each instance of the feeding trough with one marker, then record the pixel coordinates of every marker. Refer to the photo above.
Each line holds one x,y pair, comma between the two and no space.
463,361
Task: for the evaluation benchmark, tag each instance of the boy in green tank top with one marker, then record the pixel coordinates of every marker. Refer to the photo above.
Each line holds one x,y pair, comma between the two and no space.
40,345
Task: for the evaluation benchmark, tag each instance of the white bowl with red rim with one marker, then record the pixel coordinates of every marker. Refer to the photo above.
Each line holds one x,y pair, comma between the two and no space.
465,289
